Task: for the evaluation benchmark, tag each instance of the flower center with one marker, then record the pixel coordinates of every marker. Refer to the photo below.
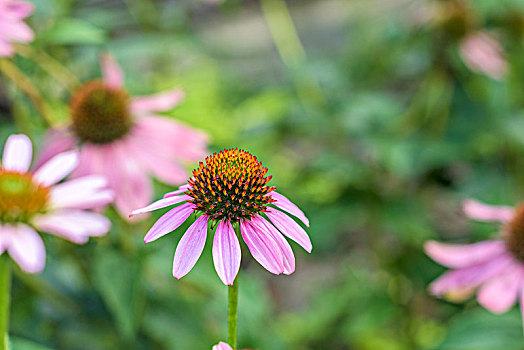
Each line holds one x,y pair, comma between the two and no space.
20,197
515,237
231,185
100,113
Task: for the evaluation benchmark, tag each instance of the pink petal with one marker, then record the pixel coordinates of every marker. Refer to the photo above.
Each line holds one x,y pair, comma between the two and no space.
287,252
226,253
222,346
82,193
289,228
56,141
57,168
18,9
522,302
111,72
499,293
27,249
180,140
169,222
132,186
286,205
463,255
155,158
479,211
157,103
180,190
16,31
18,152
483,54
263,247
74,225
190,247
162,203
471,276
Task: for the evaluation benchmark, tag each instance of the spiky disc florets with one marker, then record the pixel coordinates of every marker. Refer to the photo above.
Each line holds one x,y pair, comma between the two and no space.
515,234
230,185
20,197
100,113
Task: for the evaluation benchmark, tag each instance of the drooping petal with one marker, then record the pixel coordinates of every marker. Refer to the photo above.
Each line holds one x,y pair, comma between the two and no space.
154,157
91,160
482,212
182,141
16,31
162,203
56,141
82,193
19,9
222,346
132,186
57,168
289,228
169,222
190,247
18,152
287,252
27,249
499,293
74,225
226,253
463,255
180,190
285,204
471,276
158,102
111,72
263,247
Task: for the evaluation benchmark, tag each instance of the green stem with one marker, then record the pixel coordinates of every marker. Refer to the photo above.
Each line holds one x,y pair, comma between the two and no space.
5,301
232,314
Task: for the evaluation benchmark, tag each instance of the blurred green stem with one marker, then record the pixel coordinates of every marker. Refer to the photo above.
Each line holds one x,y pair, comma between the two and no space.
291,51
5,301
52,66
232,314
10,70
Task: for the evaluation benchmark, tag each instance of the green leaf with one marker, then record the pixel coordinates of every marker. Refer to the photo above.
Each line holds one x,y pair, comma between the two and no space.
72,31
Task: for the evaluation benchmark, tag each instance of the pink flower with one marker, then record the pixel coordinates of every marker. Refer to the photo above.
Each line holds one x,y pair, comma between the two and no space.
230,188
222,346
483,54
494,267
12,26
123,139
32,200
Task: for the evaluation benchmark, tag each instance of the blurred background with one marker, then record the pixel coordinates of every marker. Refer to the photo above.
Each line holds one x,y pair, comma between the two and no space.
377,117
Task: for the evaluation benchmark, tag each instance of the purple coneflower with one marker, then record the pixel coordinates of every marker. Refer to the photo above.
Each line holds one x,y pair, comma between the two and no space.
494,267
12,26
222,346
124,139
32,200
230,188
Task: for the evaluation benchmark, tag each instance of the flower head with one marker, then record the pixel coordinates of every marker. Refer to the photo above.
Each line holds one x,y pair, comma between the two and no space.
123,138
12,26
222,346
32,200
230,188
494,267
482,53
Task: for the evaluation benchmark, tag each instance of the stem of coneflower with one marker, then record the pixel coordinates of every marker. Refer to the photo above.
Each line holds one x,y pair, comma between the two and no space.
232,314
5,301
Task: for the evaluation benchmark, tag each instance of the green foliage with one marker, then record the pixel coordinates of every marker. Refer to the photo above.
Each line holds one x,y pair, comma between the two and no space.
378,132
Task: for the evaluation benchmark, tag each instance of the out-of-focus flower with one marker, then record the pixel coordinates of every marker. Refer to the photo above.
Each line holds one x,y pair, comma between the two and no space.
32,200
222,346
231,188
483,54
124,139
12,26
494,267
